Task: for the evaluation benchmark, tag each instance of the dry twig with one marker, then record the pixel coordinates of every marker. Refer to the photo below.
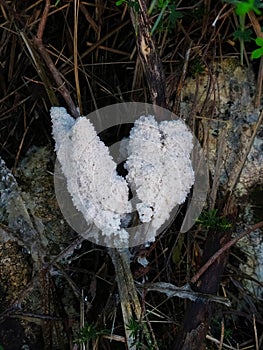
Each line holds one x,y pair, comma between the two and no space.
38,42
226,247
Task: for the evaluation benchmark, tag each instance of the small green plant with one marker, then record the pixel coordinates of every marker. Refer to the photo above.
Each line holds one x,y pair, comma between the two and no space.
134,327
242,8
196,67
217,326
211,220
228,333
168,14
258,52
165,10
130,3
141,339
88,333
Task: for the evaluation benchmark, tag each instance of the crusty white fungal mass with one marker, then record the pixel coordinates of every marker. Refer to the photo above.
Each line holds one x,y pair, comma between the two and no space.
97,191
159,167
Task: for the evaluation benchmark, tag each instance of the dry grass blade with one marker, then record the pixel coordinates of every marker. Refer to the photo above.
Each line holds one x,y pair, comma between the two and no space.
75,48
89,18
255,332
107,36
222,335
40,69
226,346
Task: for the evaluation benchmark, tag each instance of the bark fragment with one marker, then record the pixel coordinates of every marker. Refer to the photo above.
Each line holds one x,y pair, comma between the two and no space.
149,55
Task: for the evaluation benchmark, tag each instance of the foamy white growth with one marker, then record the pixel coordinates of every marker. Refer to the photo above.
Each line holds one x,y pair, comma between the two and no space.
159,172
62,124
96,189
159,167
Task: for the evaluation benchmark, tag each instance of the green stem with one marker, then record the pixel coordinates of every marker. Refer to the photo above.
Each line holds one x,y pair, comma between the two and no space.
159,17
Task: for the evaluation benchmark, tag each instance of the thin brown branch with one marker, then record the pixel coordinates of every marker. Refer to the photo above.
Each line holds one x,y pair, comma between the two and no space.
222,335
43,21
57,77
37,40
88,17
106,37
226,247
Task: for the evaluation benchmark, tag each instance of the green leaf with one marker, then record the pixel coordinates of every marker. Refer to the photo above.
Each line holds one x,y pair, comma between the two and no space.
258,4
135,5
259,41
210,220
257,11
257,53
134,327
244,7
174,15
161,4
119,2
